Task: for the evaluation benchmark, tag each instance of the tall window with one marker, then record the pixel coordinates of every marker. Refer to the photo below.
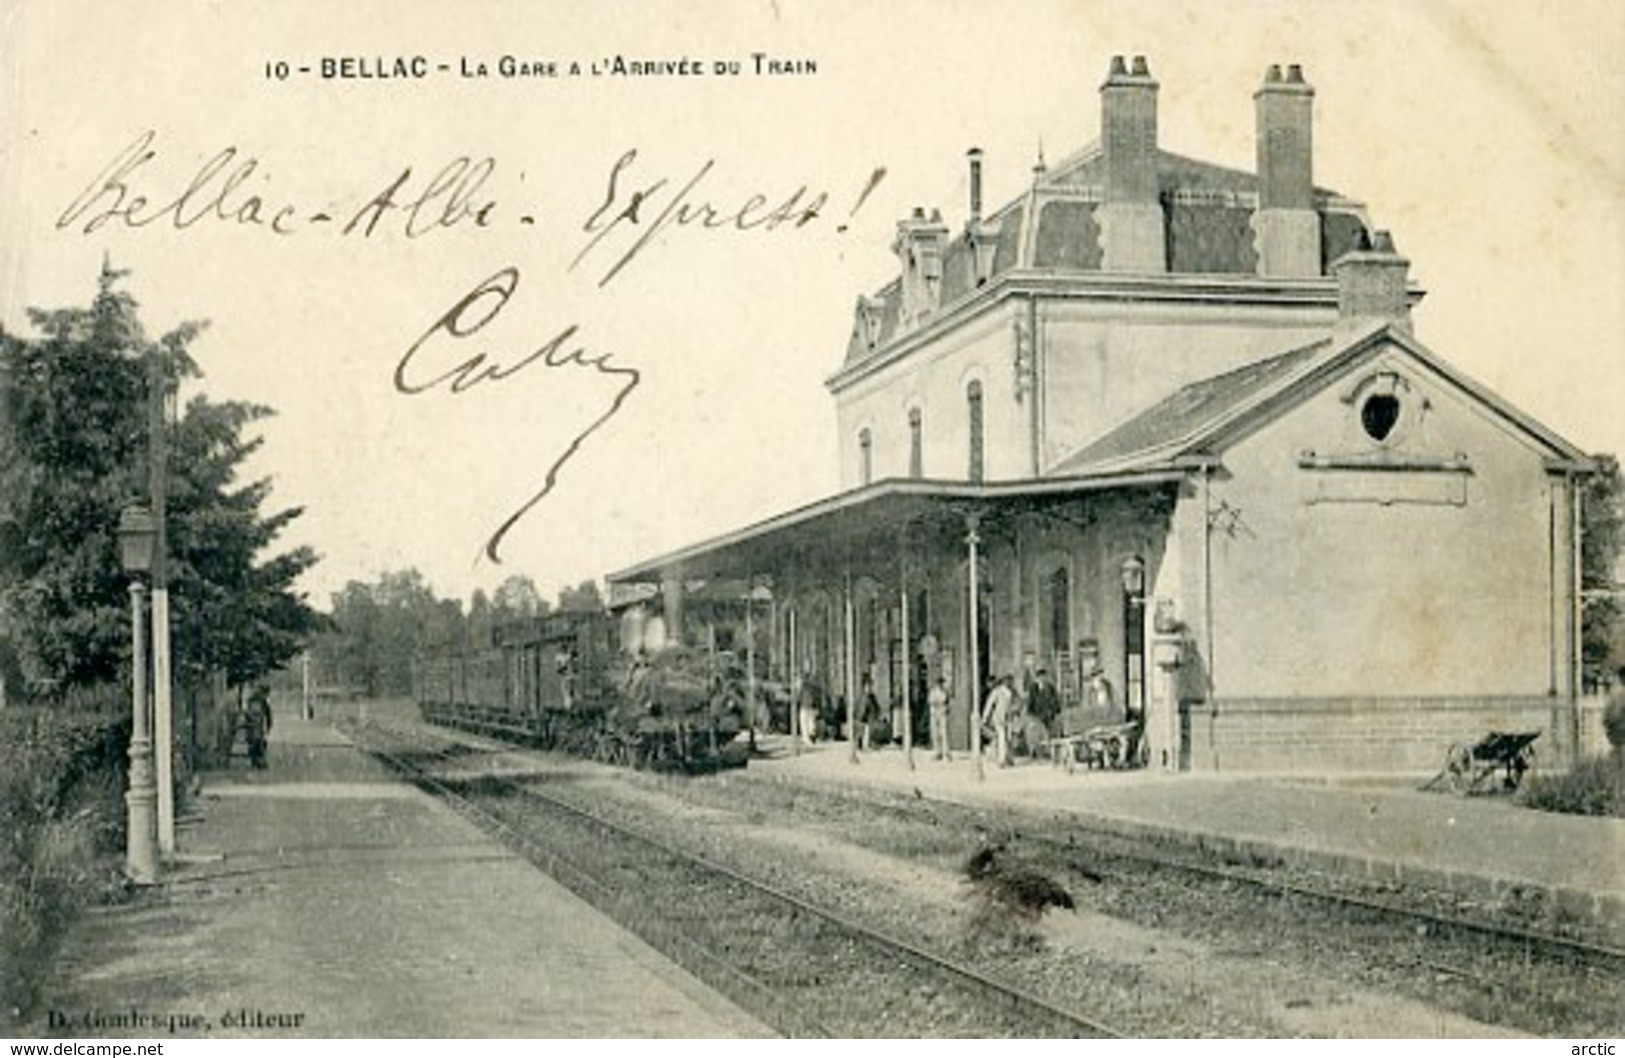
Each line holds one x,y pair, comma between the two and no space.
1055,633
973,407
866,462
916,458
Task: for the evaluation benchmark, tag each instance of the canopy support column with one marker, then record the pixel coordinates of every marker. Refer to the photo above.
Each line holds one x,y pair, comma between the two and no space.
906,667
849,642
973,540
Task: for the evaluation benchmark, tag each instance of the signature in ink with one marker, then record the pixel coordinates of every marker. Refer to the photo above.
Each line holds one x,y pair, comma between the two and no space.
472,312
622,207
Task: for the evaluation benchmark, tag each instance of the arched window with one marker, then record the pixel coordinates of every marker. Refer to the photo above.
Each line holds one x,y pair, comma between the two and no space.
916,455
973,408
866,462
1055,630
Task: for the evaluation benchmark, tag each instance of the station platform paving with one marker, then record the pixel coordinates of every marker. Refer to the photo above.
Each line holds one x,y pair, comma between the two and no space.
324,898
1485,847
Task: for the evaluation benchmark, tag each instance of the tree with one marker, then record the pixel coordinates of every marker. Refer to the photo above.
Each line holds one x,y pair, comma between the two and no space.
378,629
516,598
74,454
348,653
480,624
1602,533
582,598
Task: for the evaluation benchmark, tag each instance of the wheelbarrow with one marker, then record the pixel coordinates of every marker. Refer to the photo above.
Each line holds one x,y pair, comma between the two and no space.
1497,761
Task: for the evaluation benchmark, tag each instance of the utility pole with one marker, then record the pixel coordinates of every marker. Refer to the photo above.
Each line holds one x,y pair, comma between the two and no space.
162,684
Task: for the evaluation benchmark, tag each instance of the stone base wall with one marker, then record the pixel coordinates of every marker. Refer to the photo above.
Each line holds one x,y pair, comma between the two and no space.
1366,735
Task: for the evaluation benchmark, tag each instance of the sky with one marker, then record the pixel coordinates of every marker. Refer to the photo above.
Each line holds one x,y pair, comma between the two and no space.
430,366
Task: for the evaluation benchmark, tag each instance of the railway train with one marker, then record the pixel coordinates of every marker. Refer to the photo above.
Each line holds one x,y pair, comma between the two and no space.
562,682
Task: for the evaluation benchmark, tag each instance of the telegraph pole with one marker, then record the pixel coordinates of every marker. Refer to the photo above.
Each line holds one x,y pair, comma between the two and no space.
162,685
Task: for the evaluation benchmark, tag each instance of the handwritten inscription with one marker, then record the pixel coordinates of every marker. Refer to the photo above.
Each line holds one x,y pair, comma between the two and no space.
627,208
465,319
215,192
117,195
635,207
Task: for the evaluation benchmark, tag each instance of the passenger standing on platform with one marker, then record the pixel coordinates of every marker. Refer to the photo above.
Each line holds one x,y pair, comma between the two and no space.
996,714
868,712
259,724
938,700
637,683
809,706
1102,699
1045,703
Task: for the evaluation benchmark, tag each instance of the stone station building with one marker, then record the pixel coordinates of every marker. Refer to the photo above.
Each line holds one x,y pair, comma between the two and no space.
1171,419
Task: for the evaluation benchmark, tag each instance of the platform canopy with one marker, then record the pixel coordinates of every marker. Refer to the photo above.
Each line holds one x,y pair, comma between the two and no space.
872,521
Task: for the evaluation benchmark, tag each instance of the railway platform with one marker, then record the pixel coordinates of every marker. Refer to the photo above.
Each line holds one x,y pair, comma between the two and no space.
1491,851
324,898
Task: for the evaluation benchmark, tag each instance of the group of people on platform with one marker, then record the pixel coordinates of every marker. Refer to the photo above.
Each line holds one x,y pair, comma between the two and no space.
1012,721
1022,720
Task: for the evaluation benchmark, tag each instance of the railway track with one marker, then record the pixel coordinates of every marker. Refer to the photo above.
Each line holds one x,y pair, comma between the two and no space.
1113,852
806,969
1125,857
1403,941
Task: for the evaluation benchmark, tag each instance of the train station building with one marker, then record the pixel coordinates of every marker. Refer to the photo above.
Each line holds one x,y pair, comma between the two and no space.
1170,420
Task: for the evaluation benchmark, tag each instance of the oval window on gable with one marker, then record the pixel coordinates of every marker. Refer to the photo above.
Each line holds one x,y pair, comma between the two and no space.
1379,414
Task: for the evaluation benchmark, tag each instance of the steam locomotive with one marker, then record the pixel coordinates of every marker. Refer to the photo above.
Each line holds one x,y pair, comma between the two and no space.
562,682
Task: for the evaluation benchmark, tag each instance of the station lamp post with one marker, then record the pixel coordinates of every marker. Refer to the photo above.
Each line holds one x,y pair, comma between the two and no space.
138,533
1134,637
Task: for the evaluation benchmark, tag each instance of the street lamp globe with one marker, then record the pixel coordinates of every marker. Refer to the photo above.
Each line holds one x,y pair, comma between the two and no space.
137,533
1134,576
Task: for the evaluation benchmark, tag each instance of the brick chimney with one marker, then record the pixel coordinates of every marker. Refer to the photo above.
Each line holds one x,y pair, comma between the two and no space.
1374,284
1286,226
1130,217
919,247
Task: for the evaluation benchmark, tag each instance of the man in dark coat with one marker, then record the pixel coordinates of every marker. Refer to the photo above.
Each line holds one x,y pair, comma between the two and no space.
258,724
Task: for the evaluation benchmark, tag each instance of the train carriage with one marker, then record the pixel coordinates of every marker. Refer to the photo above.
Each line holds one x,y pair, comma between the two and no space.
559,682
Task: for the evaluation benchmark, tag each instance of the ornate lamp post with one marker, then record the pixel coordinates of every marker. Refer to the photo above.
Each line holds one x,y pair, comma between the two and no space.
137,534
1134,637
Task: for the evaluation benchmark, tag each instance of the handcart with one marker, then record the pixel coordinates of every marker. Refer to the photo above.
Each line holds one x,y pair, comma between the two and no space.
1497,761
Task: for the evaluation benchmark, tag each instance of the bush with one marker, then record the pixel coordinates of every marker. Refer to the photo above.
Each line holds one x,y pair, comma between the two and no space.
59,825
1592,788
1613,720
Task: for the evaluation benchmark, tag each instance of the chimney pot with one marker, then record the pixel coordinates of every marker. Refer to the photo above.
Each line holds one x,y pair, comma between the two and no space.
1273,74
975,156
1119,69
1294,74
1140,68
1382,241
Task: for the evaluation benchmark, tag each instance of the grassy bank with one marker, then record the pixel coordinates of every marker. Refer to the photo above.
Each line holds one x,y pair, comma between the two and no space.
61,833
1594,787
